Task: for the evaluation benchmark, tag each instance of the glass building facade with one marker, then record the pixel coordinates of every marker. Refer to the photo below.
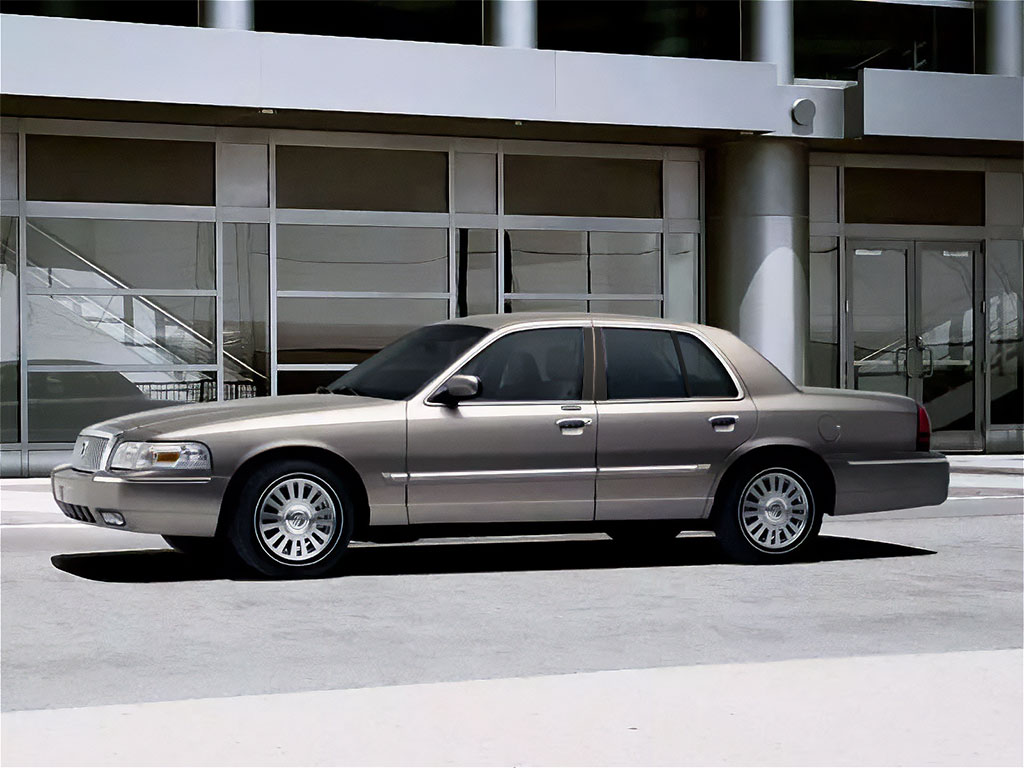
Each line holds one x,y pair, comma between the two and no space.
173,261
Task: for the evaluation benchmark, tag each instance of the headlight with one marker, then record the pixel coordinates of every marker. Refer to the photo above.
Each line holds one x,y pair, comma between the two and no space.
161,456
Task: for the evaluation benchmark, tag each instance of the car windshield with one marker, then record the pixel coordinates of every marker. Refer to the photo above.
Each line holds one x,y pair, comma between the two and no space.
400,369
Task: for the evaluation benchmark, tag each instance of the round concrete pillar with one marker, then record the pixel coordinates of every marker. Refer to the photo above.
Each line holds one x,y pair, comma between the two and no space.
1004,50
757,247
227,14
512,23
771,30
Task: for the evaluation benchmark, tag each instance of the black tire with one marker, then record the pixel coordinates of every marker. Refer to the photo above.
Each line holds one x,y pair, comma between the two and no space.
306,549
775,531
644,533
195,546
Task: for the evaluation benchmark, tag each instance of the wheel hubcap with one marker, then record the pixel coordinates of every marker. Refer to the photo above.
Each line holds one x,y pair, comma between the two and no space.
296,518
775,510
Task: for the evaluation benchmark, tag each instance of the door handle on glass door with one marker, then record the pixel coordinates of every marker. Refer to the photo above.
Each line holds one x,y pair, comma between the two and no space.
723,423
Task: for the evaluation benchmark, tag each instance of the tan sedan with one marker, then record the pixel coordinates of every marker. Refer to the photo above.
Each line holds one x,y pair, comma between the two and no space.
541,423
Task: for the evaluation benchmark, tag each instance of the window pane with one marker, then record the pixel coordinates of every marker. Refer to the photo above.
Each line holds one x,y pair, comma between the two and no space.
902,196
705,375
546,262
348,330
325,258
682,284
362,179
545,305
246,301
823,351
93,253
545,364
582,186
625,262
92,170
62,404
1006,330
623,307
476,255
120,330
642,364
303,382
9,393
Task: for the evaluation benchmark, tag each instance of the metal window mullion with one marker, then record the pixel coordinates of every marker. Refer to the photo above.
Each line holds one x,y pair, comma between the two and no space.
391,219
48,209
363,295
584,224
272,267
845,355
143,292
123,368
452,234
702,306
218,324
22,265
664,231
316,366
500,249
588,296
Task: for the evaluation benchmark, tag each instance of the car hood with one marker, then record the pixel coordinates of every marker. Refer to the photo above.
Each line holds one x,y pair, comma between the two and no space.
198,419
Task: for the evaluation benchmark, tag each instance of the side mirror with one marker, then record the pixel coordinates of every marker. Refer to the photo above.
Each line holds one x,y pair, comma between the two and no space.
459,387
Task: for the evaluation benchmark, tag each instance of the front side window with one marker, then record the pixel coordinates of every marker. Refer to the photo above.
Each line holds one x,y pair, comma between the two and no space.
537,365
642,365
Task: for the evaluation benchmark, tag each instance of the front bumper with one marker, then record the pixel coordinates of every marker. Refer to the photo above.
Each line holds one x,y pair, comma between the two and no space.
149,504
875,483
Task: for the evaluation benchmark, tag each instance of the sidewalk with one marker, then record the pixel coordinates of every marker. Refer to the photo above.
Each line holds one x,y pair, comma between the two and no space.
961,708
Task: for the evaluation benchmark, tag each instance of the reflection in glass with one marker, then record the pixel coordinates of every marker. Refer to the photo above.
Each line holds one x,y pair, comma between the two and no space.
303,382
61,403
643,308
9,353
476,265
545,305
94,253
946,328
120,330
546,262
326,258
246,303
878,320
823,346
682,284
1006,330
348,330
625,262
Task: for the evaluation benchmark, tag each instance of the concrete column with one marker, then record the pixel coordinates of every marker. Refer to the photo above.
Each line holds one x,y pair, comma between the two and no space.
1004,50
757,247
226,14
771,29
512,23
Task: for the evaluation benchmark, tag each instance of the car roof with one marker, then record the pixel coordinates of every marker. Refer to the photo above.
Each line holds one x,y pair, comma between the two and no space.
495,322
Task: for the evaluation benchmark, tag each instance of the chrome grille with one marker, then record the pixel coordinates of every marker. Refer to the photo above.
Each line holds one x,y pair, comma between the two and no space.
88,453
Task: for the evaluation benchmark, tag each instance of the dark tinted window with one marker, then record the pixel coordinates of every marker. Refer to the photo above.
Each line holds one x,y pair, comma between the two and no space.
400,369
912,196
705,375
546,364
642,364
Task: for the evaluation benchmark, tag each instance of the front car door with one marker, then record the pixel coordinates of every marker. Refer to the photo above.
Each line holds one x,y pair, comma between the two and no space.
671,411
524,448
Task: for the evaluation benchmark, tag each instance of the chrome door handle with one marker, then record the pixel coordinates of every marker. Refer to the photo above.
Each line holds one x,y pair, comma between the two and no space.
725,423
573,423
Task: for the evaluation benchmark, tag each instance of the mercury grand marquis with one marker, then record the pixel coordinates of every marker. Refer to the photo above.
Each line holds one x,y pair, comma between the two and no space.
529,423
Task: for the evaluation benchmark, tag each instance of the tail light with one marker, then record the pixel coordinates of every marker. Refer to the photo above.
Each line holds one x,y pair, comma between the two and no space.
924,430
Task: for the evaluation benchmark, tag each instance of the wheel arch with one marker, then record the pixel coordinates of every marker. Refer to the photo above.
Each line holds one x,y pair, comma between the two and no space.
314,453
791,455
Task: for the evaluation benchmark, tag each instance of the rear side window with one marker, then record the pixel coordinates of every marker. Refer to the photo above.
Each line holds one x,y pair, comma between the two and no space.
543,364
705,374
642,365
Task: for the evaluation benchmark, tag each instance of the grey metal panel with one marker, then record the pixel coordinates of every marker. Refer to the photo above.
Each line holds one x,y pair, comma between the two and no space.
1004,199
824,193
942,105
651,90
682,187
9,166
242,172
476,182
75,58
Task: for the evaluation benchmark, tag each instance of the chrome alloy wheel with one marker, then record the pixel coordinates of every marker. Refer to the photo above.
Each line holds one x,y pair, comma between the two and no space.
297,518
775,510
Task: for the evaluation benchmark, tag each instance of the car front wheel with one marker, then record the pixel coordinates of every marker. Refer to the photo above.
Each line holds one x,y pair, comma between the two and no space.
293,519
768,515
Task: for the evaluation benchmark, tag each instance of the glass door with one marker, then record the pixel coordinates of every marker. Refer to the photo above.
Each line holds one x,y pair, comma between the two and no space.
912,319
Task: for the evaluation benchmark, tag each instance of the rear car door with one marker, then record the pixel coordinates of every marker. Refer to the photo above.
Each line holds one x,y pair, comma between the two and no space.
524,448
671,411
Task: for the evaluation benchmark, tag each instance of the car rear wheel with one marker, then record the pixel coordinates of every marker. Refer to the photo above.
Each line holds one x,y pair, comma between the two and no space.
293,519
768,515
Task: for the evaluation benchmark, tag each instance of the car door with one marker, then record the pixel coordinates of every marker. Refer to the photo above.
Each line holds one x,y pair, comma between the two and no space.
524,448
670,413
